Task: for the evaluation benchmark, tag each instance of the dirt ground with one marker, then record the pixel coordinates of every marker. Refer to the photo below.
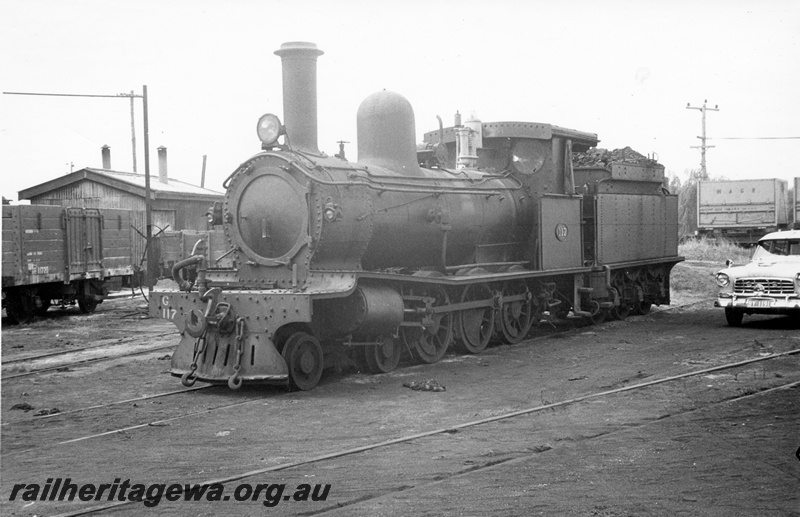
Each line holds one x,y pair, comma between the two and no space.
719,443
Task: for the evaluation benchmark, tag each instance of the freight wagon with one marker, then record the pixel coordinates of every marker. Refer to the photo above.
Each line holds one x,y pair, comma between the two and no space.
796,209
66,255
742,210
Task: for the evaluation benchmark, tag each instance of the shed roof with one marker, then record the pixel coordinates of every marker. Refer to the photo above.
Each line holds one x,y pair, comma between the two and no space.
130,182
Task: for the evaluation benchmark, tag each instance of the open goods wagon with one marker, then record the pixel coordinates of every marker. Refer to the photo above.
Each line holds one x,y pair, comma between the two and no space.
66,255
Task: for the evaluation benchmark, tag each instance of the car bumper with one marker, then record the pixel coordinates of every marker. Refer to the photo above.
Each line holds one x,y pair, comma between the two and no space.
760,304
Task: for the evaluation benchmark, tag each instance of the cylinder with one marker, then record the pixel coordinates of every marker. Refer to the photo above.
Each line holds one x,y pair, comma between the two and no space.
299,61
369,311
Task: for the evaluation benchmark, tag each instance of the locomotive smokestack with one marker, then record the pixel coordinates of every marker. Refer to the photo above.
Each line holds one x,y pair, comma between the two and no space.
105,151
299,60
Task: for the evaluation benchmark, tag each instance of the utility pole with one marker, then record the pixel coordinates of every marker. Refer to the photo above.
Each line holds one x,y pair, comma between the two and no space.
133,130
702,146
148,198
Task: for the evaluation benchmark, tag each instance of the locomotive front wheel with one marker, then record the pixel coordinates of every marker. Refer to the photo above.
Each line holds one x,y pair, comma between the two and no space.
303,355
383,358
516,318
475,326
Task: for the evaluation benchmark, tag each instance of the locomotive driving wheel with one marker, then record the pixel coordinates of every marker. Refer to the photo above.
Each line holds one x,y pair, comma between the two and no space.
476,326
516,317
384,357
303,355
430,341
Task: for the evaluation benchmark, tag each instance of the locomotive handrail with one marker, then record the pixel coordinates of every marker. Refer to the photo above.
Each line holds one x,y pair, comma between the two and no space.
408,188
484,176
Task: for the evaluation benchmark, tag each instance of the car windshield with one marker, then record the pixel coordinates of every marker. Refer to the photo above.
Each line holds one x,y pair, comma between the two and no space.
779,248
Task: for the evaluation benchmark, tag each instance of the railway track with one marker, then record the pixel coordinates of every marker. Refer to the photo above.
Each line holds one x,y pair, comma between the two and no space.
68,365
458,428
108,404
119,342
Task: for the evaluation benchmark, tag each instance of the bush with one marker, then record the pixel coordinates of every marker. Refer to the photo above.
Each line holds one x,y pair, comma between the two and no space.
714,250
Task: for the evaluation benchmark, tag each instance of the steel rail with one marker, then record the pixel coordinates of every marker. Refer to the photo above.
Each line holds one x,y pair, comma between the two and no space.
458,427
85,361
64,352
108,404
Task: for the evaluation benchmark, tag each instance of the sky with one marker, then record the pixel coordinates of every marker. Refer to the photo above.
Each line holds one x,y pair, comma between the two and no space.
624,70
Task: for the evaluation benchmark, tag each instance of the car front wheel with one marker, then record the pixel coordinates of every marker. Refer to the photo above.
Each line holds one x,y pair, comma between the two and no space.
734,316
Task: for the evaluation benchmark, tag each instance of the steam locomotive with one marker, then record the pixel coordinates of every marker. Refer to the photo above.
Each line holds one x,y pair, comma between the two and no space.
482,232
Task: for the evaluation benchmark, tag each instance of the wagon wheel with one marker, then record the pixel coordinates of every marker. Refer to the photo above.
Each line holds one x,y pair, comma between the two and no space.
430,342
42,309
599,317
516,317
383,358
87,305
621,311
476,326
19,307
303,355
642,308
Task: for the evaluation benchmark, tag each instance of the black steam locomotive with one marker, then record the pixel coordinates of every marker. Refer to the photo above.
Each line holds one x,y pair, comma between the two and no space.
481,232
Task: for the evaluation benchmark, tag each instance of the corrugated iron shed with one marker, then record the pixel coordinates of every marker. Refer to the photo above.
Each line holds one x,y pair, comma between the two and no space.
130,182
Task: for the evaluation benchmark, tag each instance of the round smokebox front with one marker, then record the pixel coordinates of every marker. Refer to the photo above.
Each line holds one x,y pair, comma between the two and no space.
272,217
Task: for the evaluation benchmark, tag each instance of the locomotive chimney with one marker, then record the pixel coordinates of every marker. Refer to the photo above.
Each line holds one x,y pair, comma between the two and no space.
162,165
299,60
105,151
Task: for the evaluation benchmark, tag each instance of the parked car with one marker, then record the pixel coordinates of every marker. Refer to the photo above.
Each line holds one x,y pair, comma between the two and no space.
769,284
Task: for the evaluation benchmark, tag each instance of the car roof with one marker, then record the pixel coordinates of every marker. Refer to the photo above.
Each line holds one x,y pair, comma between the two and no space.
774,236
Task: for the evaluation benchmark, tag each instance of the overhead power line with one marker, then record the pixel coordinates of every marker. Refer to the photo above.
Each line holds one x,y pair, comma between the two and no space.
755,138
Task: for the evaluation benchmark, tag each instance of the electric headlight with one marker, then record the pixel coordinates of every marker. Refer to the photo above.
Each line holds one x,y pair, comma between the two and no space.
269,129
722,279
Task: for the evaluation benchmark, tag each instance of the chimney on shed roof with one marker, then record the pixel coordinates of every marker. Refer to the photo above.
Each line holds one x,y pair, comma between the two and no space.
105,151
162,165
